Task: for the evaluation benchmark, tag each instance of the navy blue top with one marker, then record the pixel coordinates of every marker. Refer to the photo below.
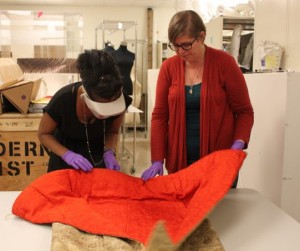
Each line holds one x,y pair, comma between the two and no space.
193,123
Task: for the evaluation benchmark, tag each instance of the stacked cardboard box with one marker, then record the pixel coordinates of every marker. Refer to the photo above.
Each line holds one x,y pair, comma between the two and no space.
15,91
22,157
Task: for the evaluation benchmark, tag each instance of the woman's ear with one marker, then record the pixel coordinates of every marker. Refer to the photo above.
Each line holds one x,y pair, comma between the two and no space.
202,35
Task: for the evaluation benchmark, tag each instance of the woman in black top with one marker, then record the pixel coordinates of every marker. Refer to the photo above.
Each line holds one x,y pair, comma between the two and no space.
81,123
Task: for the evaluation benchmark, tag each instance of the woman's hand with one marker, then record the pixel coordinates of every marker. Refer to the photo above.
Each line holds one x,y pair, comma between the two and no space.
155,169
111,161
77,161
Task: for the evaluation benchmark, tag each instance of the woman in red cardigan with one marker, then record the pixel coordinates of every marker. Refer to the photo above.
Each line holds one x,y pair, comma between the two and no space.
202,101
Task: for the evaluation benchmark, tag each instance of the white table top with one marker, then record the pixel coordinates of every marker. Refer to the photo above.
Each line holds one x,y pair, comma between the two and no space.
244,221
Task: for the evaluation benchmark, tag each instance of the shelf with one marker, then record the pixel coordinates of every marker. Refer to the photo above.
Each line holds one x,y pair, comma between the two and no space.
230,23
112,25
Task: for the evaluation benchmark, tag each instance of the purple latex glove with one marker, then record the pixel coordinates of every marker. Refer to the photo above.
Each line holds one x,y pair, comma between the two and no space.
238,145
153,170
77,161
110,160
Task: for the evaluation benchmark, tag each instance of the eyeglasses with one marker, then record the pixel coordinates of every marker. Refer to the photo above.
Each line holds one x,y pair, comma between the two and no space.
184,46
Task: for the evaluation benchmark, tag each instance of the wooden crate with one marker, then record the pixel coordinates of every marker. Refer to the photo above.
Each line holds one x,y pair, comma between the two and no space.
22,158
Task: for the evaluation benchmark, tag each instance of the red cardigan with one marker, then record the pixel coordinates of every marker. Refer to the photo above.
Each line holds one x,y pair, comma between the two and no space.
226,111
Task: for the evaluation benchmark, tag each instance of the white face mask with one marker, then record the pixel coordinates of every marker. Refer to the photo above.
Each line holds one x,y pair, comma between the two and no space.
105,110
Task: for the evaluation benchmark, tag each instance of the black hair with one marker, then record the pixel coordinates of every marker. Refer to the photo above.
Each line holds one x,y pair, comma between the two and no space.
100,74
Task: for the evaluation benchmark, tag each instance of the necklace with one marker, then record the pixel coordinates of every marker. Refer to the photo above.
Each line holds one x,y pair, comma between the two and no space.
87,138
191,83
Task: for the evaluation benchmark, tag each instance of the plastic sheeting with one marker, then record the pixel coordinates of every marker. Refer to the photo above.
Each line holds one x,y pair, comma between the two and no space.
270,54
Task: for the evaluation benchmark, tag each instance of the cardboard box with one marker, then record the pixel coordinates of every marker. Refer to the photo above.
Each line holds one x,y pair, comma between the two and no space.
15,92
22,157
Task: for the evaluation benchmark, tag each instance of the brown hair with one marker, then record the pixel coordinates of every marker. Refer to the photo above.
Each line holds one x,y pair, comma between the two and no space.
186,22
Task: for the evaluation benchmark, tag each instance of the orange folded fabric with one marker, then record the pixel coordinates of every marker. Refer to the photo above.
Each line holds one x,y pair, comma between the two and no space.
112,203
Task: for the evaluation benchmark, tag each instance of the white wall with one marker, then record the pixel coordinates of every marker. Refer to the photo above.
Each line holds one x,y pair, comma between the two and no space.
214,33
161,22
293,36
151,91
262,169
290,199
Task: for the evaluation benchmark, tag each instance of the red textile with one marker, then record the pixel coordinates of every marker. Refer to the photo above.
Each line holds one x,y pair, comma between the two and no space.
112,203
226,110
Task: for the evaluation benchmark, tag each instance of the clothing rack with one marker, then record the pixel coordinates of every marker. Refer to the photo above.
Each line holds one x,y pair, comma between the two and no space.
110,27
